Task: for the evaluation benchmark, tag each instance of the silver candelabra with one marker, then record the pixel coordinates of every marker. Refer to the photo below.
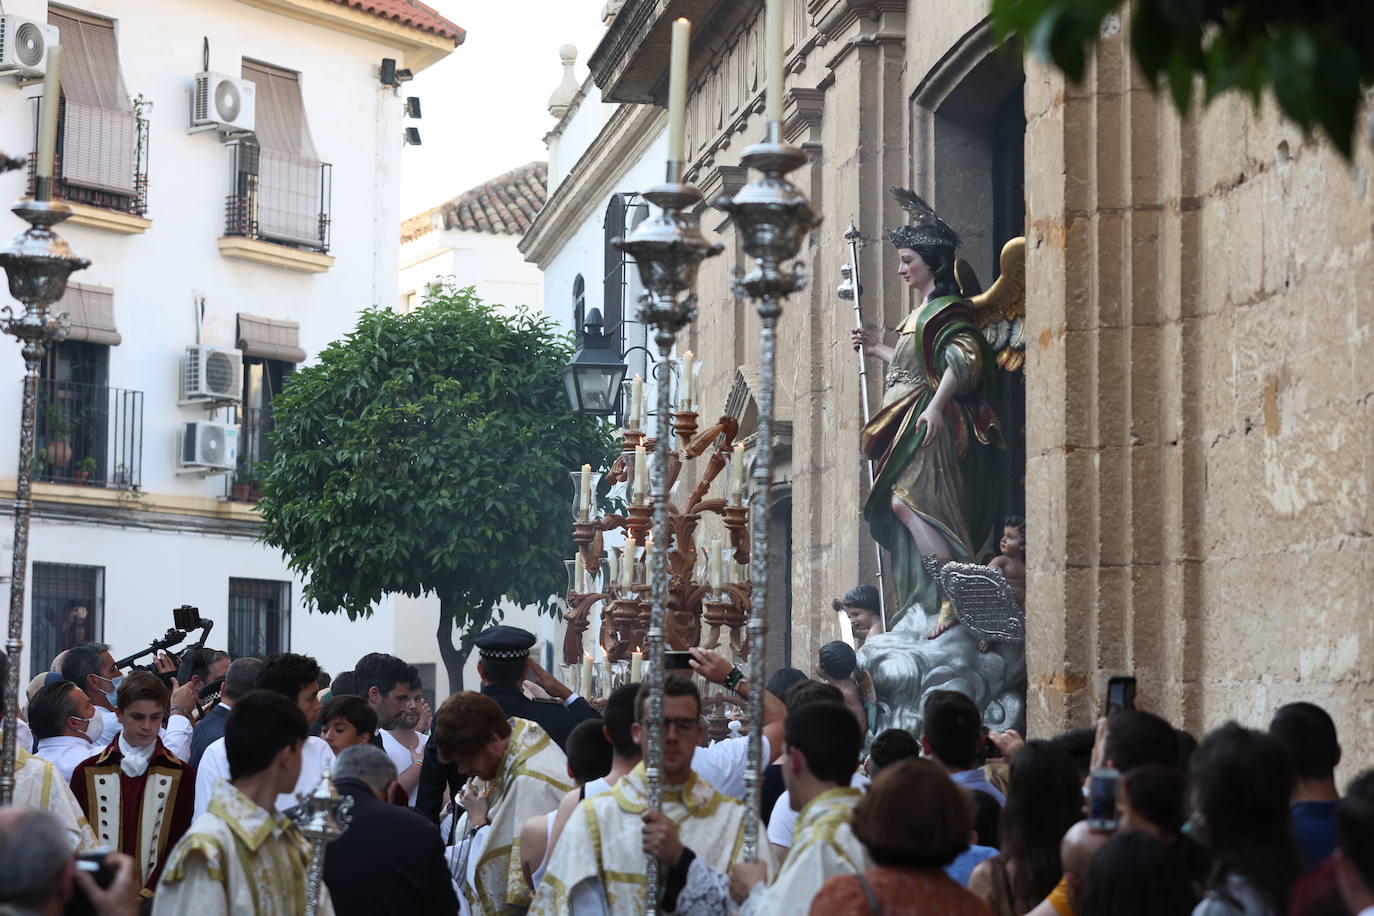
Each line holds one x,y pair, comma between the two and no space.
322,818
773,217
668,250
38,264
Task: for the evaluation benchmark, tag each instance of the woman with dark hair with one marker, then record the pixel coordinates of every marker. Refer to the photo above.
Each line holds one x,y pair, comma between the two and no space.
935,439
1045,799
914,821
1241,785
1136,874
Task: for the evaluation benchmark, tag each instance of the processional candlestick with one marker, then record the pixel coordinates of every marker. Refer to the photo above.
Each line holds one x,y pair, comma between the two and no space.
38,264
322,818
773,217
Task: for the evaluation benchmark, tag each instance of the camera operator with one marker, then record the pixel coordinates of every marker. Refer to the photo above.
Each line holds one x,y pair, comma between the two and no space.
91,667
38,873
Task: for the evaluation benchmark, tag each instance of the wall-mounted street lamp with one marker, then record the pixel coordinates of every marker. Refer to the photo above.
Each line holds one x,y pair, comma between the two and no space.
593,377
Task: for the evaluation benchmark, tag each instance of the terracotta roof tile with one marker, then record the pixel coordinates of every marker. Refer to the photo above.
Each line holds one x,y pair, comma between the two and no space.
410,13
505,205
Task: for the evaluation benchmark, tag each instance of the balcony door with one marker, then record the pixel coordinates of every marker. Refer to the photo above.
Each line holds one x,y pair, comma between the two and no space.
73,413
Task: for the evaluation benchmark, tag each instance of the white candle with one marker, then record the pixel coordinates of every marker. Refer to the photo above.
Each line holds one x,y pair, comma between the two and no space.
687,381
585,506
737,475
585,688
615,568
47,123
636,402
713,565
773,55
641,474
606,679
636,666
677,89
736,571
627,564
580,577
648,557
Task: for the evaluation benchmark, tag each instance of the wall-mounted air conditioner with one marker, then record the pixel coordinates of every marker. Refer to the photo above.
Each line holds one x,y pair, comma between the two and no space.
211,376
208,447
223,103
24,46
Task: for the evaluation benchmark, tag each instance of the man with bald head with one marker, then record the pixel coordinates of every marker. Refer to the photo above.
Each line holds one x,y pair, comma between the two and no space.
1076,852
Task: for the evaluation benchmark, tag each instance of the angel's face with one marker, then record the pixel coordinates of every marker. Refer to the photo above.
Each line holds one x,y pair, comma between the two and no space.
912,269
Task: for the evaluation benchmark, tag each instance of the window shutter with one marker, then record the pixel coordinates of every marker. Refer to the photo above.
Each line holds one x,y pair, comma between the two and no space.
100,132
90,310
270,338
289,192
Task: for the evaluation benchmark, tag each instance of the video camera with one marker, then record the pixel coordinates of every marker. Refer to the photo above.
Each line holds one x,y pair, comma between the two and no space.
185,620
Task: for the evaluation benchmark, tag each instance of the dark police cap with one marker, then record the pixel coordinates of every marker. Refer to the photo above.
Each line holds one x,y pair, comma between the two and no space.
504,642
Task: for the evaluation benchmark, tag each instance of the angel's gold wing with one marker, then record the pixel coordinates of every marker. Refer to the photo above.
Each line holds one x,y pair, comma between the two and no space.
1001,310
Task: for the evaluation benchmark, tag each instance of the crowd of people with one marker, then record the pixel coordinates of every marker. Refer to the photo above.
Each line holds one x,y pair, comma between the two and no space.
134,793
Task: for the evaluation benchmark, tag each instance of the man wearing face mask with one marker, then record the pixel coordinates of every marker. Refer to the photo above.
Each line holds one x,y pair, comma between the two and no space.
66,726
91,667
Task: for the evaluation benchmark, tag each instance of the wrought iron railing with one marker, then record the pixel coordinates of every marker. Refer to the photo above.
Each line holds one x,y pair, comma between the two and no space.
278,198
89,434
254,424
135,203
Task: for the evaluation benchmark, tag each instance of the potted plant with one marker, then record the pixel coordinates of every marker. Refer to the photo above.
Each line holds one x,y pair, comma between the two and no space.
243,483
84,469
57,428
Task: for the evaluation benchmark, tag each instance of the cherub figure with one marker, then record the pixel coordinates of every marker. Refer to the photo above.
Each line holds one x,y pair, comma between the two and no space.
1012,561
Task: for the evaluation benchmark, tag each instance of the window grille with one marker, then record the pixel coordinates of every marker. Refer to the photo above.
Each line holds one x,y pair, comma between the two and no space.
60,591
259,617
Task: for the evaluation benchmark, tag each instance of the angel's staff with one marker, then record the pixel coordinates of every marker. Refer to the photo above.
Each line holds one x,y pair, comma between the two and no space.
852,289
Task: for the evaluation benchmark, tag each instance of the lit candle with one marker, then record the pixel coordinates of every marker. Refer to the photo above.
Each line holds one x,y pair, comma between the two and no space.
636,402
585,688
773,51
641,474
585,506
714,565
627,563
636,666
47,124
737,475
677,89
687,382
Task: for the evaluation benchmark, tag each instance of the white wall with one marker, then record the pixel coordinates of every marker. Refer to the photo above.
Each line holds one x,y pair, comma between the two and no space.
356,126
492,263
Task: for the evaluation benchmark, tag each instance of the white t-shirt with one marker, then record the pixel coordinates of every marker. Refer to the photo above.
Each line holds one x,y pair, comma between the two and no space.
598,786
402,757
782,821
722,764
214,766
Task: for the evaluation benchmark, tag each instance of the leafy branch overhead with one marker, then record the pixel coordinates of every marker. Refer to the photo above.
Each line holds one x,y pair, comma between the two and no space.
430,452
1317,57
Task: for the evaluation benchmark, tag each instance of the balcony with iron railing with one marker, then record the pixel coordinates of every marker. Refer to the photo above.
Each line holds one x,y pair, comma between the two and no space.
114,190
254,425
89,435
278,198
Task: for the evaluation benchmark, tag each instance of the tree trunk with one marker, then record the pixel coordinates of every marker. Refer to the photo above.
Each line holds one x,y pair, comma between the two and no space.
455,656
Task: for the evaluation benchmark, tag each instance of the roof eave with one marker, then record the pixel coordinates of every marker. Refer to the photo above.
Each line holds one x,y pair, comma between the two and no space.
422,48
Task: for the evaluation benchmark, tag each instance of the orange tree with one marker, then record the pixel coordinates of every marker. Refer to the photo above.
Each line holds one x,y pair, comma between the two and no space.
430,453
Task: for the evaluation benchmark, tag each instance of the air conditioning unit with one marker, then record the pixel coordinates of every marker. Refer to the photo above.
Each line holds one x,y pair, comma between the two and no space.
24,45
211,376
223,103
208,446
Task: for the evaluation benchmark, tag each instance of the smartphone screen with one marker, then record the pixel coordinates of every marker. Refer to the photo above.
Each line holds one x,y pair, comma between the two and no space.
677,661
1120,694
1103,787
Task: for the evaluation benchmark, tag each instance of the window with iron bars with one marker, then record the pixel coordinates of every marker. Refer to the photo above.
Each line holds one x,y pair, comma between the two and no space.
259,617
68,609
135,203
289,205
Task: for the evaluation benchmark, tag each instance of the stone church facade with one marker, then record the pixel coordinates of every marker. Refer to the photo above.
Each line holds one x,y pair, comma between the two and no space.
1198,420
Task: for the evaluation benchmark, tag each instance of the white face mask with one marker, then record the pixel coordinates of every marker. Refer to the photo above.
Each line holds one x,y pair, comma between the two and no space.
94,728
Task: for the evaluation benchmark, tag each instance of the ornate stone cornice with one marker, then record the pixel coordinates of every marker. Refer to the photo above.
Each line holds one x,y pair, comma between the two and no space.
802,112
622,142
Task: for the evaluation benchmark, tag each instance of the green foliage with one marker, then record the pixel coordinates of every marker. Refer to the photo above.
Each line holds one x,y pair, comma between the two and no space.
1318,57
430,452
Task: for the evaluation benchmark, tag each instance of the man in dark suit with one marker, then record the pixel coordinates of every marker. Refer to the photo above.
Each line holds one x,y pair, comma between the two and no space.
241,677
390,859
503,664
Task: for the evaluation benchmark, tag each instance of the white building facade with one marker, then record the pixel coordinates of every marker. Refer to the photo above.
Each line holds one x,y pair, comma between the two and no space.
272,242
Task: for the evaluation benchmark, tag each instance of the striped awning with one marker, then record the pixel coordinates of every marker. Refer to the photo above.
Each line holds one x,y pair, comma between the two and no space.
90,310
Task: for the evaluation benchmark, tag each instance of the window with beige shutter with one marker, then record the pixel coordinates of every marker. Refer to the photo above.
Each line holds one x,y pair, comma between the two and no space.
102,140
290,181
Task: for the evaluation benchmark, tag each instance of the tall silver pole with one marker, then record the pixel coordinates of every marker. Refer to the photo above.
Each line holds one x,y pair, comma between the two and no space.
852,288
773,217
322,817
37,263
668,249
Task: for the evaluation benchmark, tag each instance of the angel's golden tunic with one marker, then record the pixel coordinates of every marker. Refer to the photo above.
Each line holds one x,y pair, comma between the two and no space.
238,859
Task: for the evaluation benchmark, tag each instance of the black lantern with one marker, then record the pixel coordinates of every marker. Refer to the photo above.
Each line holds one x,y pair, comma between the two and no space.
593,377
